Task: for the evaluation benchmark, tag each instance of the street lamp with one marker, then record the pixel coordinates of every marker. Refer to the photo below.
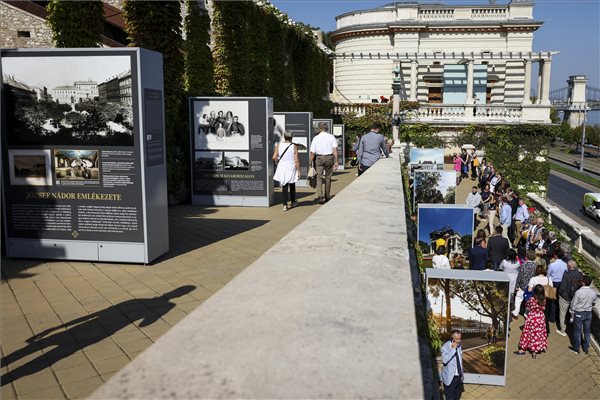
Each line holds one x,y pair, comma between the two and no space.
584,106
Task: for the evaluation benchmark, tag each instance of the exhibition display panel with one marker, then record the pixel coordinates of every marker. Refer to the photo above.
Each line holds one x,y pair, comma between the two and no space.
232,141
300,125
339,131
83,154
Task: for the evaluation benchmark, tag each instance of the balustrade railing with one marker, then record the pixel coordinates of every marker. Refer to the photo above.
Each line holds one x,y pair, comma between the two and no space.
443,112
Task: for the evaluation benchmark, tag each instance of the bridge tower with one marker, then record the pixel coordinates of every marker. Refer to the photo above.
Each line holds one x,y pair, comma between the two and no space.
576,100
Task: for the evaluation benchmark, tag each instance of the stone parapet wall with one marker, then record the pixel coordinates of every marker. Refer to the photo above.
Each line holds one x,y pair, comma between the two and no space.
328,312
15,20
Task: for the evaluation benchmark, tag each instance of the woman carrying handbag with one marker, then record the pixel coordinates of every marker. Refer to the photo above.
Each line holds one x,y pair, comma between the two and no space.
288,169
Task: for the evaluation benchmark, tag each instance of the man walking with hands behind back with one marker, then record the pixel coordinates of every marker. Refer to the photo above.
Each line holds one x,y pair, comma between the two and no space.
370,148
452,371
323,149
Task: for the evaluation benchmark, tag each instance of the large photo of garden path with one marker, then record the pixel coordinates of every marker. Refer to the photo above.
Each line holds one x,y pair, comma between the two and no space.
480,310
68,100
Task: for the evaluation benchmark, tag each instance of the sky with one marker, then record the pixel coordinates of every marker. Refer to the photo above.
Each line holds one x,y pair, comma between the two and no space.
422,155
431,219
570,27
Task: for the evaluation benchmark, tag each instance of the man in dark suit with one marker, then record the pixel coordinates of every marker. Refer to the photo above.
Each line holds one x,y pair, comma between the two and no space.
497,247
478,255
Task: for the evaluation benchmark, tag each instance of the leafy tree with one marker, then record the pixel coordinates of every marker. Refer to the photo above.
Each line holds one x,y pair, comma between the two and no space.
592,134
426,188
450,197
566,133
488,299
76,23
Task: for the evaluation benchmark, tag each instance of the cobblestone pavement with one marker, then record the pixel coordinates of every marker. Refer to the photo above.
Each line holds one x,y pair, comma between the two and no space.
91,319
556,374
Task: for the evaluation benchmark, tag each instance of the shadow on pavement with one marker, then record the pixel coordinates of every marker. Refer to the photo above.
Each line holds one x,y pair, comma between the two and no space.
86,331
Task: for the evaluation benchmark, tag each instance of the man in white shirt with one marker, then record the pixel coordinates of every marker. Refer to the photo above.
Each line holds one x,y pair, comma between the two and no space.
474,199
323,149
520,217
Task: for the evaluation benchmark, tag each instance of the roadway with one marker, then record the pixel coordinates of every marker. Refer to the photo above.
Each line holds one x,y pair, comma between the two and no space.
567,193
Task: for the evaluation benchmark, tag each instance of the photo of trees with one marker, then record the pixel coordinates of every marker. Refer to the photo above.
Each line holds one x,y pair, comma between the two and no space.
435,187
479,309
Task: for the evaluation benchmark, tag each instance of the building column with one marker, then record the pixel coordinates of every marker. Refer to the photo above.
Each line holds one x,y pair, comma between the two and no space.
413,80
545,98
538,91
470,80
527,85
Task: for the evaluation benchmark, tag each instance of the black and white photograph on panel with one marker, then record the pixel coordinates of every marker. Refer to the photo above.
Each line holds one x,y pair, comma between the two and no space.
208,161
477,304
30,167
278,129
68,100
317,130
302,143
76,165
236,160
221,125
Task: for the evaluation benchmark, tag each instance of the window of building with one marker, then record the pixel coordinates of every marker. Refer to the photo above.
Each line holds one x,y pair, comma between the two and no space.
23,34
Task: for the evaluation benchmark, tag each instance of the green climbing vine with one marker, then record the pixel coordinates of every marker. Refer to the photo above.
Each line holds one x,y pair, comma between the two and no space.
517,151
257,51
76,24
199,79
156,25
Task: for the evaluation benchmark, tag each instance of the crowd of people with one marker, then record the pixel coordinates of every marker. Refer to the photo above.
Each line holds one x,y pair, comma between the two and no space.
544,282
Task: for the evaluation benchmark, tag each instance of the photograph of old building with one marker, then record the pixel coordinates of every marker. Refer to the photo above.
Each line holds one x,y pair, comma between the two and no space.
77,110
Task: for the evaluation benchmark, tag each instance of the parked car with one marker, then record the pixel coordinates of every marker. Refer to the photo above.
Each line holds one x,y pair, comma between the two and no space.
591,205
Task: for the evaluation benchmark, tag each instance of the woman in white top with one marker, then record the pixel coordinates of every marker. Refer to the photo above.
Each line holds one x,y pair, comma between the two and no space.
440,260
288,168
540,278
510,265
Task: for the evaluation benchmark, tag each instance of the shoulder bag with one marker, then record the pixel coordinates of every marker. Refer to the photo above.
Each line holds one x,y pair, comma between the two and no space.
550,291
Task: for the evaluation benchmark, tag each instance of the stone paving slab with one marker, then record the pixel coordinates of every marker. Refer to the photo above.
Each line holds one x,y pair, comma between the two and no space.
115,311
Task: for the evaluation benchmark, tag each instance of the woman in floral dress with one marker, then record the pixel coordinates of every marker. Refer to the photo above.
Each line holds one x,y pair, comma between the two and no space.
534,338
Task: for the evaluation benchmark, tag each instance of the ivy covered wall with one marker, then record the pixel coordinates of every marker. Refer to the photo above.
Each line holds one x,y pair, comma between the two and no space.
257,51
245,48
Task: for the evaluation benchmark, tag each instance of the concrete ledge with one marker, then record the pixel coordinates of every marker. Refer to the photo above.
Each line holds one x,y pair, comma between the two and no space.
327,312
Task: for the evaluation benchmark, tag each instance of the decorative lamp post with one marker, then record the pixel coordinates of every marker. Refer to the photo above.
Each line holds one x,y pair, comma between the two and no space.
396,88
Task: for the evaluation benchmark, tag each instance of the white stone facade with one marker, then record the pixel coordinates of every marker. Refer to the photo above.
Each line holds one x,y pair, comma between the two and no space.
426,41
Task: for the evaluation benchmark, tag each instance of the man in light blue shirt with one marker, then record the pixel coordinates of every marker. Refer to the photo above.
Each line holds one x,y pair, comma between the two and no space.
370,148
505,217
556,269
452,371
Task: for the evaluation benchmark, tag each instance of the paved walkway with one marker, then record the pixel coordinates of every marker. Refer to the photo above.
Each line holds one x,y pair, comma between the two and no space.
556,374
91,319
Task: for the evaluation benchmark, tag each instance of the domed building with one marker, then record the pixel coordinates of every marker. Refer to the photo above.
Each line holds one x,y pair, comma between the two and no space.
464,64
